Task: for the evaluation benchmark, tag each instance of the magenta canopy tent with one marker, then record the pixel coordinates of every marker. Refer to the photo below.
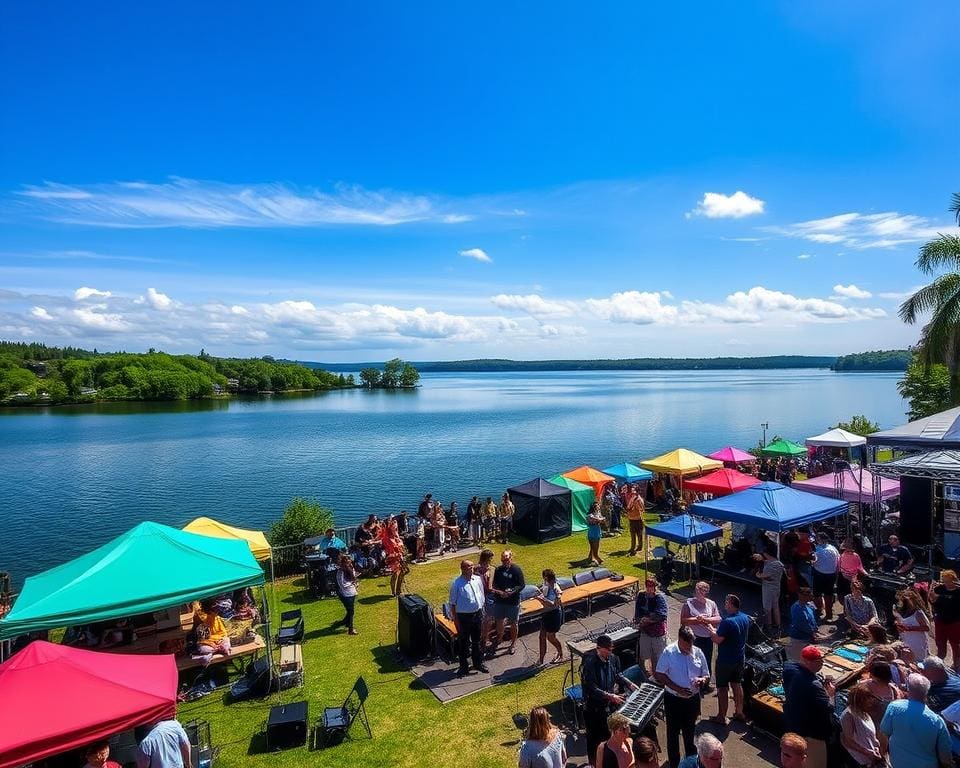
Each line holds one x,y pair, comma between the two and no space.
848,482
731,455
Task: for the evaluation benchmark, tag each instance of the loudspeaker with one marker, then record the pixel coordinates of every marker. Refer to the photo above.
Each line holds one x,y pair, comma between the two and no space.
287,726
414,627
916,496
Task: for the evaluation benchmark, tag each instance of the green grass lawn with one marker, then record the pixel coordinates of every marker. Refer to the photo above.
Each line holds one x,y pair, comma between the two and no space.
410,727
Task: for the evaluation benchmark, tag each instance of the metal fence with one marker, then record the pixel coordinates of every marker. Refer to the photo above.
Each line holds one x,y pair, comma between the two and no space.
288,560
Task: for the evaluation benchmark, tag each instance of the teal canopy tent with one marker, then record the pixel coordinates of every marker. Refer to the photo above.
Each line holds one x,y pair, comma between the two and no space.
148,568
629,473
581,497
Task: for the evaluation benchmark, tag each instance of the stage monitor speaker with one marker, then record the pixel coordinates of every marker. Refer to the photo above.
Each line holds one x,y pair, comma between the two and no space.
287,726
916,497
414,627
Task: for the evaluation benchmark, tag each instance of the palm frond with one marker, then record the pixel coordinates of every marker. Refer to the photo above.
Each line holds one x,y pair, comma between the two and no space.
955,206
942,251
939,339
930,297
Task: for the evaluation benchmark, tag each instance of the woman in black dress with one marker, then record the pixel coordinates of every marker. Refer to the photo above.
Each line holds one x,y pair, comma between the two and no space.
550,593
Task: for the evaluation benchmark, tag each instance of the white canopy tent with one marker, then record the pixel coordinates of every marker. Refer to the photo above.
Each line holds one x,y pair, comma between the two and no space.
836,438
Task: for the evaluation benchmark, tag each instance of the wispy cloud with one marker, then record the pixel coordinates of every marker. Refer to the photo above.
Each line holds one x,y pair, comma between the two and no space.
716,205
180,202
534,305
477,254
866,230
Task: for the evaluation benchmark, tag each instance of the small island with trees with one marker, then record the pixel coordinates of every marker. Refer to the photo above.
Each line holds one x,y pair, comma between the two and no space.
35,374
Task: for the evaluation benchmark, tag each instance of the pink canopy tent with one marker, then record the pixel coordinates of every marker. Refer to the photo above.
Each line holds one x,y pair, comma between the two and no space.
722,482
731,455
56,698
826,485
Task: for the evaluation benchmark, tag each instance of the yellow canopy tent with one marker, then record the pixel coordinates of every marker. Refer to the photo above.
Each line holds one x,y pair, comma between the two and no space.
257,542
681,462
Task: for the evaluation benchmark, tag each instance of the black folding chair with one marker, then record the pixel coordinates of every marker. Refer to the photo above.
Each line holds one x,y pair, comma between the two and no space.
291,627
334,725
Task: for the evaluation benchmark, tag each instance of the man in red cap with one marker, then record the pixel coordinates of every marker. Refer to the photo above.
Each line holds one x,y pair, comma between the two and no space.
807,707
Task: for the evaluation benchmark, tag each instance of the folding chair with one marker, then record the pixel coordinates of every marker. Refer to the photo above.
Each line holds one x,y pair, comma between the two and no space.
334,725
291,627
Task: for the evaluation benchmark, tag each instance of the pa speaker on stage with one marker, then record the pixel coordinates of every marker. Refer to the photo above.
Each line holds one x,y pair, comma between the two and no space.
414,627
916,507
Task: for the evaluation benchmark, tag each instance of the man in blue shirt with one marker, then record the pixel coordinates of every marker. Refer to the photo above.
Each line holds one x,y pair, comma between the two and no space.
466,608
731,638
164,746
807,709
803,623
944,685
913,734
330,540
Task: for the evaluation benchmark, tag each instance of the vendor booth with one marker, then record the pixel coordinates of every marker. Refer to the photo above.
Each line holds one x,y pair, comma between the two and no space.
771,507
581,497
732,456
589,476
626,472
256,540
682,529
681,462
723,482
851,484
542,510
783,447
836,438
149,568
56,698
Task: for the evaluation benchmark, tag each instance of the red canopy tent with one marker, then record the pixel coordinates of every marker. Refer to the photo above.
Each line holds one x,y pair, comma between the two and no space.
721,482
54,698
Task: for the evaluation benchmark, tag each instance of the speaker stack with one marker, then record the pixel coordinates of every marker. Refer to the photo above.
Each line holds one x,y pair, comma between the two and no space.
414,627
287,726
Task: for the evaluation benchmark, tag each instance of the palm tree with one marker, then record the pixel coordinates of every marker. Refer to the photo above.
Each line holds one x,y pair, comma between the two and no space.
940,337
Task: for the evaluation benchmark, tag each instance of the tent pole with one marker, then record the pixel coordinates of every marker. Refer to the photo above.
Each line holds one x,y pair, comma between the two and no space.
267,639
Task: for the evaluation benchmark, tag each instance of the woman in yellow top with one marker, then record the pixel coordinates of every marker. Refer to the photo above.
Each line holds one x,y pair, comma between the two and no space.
212,635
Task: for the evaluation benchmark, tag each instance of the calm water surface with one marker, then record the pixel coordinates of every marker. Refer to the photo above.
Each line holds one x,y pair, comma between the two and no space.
72,478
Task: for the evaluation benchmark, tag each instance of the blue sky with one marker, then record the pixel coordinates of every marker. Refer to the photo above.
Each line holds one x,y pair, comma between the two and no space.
448,180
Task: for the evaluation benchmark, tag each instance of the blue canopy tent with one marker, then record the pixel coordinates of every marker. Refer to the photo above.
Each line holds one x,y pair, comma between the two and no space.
771,507
628,473
682,529
685,529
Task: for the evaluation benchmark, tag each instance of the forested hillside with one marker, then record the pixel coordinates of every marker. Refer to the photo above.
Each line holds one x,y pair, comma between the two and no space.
31,373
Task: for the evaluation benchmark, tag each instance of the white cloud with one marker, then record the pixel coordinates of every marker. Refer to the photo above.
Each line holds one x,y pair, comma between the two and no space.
40,313
639,307
86,293
534,305
804,256
158,300
862,230
180,202
851,292
478,254
93,320
716,205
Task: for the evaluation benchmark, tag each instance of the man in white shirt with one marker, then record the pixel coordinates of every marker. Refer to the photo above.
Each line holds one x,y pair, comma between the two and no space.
466,610
682,671
825,564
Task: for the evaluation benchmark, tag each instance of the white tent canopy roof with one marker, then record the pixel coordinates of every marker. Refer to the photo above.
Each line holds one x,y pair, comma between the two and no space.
836,438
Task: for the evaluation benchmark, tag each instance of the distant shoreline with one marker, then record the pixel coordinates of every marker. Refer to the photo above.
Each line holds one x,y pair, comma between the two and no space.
862,362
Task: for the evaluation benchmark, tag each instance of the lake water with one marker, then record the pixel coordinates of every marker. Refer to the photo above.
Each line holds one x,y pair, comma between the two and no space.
72,478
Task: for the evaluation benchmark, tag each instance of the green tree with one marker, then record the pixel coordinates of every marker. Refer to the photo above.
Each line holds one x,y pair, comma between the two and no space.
301,519
926,388
392,369
370,377
859,425
940,337
409,376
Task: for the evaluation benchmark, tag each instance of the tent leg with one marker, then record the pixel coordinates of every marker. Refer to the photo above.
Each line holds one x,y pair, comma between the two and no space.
268,639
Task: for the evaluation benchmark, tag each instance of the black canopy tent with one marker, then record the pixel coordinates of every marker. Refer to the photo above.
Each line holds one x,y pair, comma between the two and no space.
542,510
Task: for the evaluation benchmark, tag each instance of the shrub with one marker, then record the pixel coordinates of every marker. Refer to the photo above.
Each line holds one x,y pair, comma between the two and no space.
301,519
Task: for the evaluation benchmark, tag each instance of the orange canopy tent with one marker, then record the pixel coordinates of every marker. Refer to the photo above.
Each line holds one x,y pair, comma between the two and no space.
592,477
